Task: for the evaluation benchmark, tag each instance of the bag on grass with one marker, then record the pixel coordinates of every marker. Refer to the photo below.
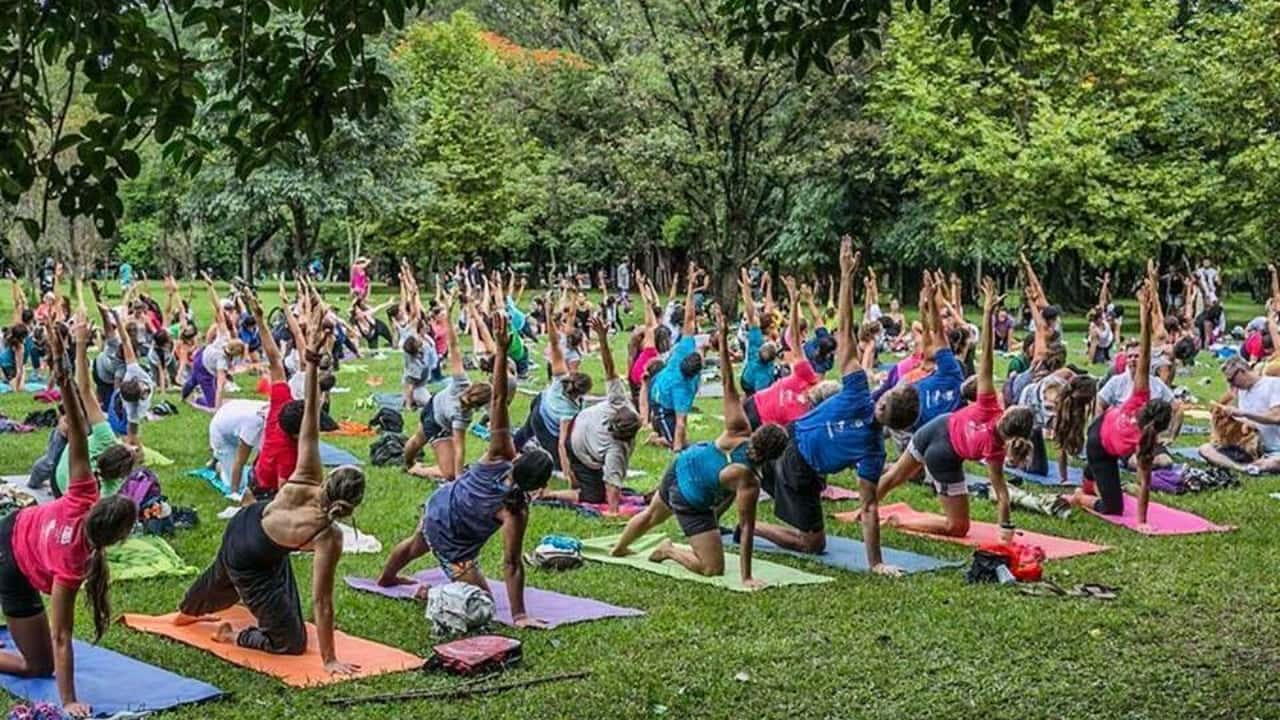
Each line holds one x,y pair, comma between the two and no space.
556,552
1168,480
141,486
458,608
388,420
476,655
388,449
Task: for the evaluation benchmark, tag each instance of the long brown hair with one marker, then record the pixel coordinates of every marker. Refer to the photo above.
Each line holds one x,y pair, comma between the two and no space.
110,521
1072,415
1153,418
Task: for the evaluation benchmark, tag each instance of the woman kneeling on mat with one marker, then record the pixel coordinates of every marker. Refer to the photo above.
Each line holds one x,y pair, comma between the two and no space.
490,495
702,481
977,432
53,548
1132,428
253,565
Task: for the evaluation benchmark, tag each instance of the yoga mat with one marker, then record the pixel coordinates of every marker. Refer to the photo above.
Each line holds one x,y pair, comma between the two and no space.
146,556
332,456
153,458
391,401
835,493
554,608
19,482
1055,548
848,554
111,683
629,507
1162,519
215,481
1075,475
772,574
305,670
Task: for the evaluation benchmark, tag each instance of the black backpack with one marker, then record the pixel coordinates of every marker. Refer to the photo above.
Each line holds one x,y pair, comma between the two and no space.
388,449
42,418
388,420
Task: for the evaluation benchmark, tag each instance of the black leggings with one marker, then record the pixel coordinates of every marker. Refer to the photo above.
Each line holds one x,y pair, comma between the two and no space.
379,330
252,569
1104,470
1039,454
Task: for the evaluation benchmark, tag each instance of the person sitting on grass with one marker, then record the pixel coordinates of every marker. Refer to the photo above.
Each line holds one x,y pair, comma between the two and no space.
253,564
443,422
54,548
1130,429
982,431
601,440
1256,405
13,359
491,495
704,479
845,431
552,411
672,391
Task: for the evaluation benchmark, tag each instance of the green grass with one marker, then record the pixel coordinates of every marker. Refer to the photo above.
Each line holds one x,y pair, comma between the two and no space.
1194,633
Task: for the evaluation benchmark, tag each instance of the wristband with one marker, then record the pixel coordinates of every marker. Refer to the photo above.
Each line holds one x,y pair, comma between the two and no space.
1006,526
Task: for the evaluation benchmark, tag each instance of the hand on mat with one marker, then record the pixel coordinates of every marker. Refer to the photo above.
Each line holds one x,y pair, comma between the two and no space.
337,667
524,621
753,584
886,570
77,710
183,619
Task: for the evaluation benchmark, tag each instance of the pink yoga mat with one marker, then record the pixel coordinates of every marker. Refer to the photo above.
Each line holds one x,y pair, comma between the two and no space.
1162,520
1054,547
835,493
554,608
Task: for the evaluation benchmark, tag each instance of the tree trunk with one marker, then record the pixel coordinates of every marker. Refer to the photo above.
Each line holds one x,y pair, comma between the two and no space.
299,234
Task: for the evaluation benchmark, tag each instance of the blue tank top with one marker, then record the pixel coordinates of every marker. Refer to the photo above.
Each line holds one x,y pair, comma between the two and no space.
698,470
462,515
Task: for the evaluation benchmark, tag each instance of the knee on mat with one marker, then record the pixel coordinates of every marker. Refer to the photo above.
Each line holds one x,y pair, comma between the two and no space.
295,643
814,543
957,528
40,669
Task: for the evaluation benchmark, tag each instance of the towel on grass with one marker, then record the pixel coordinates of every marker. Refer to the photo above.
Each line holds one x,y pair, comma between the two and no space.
146,556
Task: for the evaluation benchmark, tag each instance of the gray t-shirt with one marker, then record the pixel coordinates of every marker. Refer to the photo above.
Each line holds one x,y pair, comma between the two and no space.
446,405
418,368
136,412
592,442
109,365
1120,387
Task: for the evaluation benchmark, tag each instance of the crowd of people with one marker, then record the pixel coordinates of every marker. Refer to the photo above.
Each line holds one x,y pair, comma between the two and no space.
805,392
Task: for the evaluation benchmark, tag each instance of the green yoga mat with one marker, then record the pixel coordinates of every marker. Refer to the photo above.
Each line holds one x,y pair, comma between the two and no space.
773,574
146,556
153,458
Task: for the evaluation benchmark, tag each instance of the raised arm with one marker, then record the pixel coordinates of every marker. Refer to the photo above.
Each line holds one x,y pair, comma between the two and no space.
1142,373
501,446
310,469
558,365
986,379
606,353
736,424
846,335
748,303
690,312
451,338
794,337
275,364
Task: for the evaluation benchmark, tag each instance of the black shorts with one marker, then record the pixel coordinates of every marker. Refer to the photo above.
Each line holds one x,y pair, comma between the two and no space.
590,480
18,599
663,421
535,429
931,445
796,489
692,521
753,415
431,429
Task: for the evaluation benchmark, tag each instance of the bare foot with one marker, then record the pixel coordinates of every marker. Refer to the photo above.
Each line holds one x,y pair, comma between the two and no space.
662,552
621,552
891,521
224,634
394,581
183,619
419,470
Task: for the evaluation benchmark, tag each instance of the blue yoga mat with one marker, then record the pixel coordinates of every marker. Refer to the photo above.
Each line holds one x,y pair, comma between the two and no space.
112,683
391,401
1190,453
1075,475
332,456
845,553
215,481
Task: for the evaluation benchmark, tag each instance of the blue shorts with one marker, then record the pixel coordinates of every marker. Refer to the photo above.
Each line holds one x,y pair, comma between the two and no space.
453,569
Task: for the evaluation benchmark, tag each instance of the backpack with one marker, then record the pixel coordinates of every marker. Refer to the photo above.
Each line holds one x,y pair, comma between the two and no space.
388,420
141,486
458,608
1212,478
1024,562
476,655
42,418
1168,480
556,552
388,449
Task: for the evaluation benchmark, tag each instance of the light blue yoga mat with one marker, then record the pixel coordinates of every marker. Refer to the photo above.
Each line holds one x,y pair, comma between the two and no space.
845,553
1075,476
215,481
332,456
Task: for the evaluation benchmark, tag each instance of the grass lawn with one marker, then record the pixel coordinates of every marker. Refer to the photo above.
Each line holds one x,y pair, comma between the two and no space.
1195,631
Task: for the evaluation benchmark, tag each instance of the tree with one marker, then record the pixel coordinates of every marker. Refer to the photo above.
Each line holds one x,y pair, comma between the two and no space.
292,67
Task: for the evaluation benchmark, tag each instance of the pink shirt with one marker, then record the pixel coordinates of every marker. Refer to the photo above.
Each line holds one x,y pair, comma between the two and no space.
1120,431
359,281
972,430
49,543
636,374
787,399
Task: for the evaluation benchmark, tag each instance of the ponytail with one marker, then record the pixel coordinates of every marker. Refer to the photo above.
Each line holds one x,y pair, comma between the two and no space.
1017,450
97,582
1073,414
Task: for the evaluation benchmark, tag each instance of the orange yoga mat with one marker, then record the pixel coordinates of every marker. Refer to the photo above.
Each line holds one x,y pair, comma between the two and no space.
981,533
305,670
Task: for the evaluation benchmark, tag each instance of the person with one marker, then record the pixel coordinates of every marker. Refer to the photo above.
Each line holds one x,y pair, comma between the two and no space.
55,548
1062,402
601,440
553,410
211,364
253,564
112,459
420,362
491,495
938,392
360,278
981,431
622,279
845,431
644,350
126,276
235,433
1208,281
1130,429
1003,328
278,452
444,420
786,400
130,402
759,370
673,390
1257,405
704,479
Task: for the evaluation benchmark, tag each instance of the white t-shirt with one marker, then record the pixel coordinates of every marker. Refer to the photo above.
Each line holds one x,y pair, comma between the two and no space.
136,412
1208,278
235,422
1261,398
1120,387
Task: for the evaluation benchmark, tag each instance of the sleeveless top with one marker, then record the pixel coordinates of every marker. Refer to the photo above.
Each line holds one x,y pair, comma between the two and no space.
462,515
698,470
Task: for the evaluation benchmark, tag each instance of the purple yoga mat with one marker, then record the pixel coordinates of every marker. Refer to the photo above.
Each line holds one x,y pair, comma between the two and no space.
554,608
1162,519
